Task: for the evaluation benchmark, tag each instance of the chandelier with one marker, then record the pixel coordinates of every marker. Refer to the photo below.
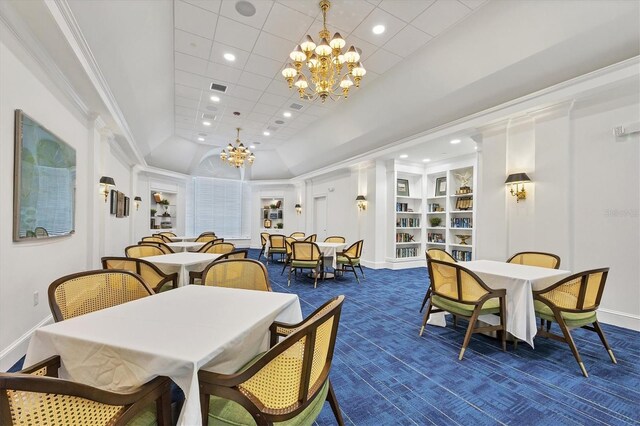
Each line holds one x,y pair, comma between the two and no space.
325,65
237,155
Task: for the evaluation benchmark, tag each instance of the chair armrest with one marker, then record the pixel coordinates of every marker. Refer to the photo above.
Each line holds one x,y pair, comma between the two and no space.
52,364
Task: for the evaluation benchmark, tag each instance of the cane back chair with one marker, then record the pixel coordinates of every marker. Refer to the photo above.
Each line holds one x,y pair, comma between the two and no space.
162,246
438,254
205,238
264,237
334,239
236,254
572,302
36,396
220,248
536,258
457,290
311,238
297,235
77,294
350,258
150,273
305,255
245,274
289,383
167,234
145,250
165,238
276,246
287,260
154,239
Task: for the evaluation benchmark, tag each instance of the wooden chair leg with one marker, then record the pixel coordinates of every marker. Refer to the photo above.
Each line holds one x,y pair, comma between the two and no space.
333,401
548,325
317,272
362,272
425,319
354,272
289,279
163,409
455,321
572,345
426,297
503,317
204,408
284,267
596,326
467,336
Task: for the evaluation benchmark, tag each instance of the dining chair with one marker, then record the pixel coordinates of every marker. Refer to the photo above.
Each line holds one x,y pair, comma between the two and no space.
208,245
264,237
287,260
536,258
245,274
165,238
145,250
276,246
334,239
205,238
350,258
458,290
289,383
297,235
220,248
36,396
438,254
236,254
207,233
572,302
167,234
162,246
311,238
150,273
83,292
153,239
305,255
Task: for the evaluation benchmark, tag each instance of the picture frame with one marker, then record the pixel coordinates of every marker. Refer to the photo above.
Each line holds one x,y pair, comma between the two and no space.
441,186
273,215
44,182
266,224
126,206
113,206
402,188
120,205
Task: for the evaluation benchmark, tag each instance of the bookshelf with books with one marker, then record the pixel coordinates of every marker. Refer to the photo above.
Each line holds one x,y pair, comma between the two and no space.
407,183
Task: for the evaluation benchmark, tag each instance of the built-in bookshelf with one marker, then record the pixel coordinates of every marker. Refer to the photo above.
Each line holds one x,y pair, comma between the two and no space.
450,209
409,215
271,214
163,216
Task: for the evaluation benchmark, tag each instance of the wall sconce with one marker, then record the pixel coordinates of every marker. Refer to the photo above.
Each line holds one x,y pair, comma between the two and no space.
106,183
362,202
137,201
516,179
298,208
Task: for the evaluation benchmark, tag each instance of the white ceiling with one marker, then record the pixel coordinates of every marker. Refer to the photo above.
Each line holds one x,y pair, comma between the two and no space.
206,30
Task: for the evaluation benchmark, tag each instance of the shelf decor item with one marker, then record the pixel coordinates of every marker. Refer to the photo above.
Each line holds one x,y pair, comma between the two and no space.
266,224
403,187
464,203
464,179
463,239
441,186
435,221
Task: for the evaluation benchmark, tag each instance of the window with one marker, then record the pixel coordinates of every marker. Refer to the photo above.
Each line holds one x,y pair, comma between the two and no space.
218,206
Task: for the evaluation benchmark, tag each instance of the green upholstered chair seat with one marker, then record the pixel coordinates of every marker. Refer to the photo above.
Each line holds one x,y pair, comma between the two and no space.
146,417
277,250
343,259
166,286
572,319
491,306
304,263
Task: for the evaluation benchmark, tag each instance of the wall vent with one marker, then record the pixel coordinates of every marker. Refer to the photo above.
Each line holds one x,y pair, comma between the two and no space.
295,106
219,87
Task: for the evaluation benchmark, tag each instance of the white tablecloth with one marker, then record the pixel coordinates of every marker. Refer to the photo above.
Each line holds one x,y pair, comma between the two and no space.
183,238
330,250
172,334
185,246
182,263
518,280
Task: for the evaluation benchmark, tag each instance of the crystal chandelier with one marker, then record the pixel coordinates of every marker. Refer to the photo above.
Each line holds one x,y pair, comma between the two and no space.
324,65
237,155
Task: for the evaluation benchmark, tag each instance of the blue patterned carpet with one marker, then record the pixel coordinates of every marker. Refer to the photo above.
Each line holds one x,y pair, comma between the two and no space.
384,374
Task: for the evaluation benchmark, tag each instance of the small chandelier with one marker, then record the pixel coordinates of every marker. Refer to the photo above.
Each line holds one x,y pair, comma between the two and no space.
237,155
325,65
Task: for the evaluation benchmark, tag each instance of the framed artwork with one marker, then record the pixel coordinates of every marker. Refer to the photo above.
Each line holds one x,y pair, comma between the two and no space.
265,213
266,223
113,207
441,186
44,184
120,206
126,206
273,215
403,187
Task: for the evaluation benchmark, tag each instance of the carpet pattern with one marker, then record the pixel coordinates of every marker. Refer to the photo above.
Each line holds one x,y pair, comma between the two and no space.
384,374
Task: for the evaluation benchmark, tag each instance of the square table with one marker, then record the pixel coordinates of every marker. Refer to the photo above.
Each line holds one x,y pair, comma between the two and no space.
173,334
185,246
183,238
519,281
182,263
331,250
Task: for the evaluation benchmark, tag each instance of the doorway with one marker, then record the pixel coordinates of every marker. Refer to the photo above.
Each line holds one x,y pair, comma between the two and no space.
320,217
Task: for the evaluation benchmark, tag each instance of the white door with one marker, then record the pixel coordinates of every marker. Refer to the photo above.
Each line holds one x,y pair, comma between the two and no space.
320,217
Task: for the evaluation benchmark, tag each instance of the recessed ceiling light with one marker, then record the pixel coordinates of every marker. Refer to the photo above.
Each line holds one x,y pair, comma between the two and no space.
201,139
378,29
455,141
279,122
266,133
426,160
229,57
214,98
475,147
404,155
245,8
252,147
286,114
206,123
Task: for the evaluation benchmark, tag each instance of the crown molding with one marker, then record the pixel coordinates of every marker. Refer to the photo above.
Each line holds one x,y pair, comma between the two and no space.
23,35
62,15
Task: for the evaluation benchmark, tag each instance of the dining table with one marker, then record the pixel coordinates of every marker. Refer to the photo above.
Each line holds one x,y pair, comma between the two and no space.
185,246
330,251
179,238
172,334
518,281
182,263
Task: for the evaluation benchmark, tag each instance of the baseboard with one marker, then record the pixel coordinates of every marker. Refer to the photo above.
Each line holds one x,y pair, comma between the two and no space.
373,265
620,319
16,350
406,264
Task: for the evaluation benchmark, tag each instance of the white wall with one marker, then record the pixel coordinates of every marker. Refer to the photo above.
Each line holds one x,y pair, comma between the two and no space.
584,201
29,267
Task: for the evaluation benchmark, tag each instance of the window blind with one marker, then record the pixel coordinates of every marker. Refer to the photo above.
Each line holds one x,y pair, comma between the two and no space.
218,206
